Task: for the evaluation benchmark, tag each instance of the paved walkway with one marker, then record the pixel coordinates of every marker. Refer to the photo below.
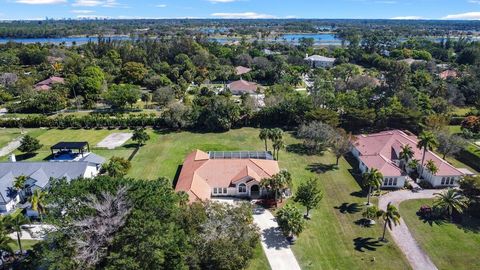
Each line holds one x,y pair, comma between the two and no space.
275,246
10,147
401,234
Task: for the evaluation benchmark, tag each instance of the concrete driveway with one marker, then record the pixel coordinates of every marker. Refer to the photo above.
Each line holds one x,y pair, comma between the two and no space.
275,246
402,236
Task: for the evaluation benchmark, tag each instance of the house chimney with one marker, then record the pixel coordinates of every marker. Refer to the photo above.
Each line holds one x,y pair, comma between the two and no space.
12,158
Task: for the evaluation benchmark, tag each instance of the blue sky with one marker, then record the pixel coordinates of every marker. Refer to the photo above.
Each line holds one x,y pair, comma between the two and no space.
125,9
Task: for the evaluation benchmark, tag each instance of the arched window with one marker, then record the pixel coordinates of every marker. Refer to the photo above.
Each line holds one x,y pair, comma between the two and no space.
242,188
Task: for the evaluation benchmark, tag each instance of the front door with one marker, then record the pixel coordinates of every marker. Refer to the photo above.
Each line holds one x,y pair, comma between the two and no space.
255,192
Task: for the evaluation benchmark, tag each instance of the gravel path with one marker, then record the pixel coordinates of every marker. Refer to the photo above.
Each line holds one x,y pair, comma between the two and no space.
401,234
10,147
275,246
115,140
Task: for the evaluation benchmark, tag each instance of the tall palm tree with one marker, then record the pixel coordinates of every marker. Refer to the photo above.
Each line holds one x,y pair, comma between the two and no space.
14,224
275,136
38,202
406,154
372,179
431,167
277,145
413,164
390,218
451,201
427,142
276,183
264,135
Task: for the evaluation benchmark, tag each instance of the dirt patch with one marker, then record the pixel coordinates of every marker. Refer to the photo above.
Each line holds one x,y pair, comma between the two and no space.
115,140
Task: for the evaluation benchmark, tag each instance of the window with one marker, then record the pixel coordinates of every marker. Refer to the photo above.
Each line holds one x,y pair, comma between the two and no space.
385,182
242,188
394,181
224,190
214,190
443,181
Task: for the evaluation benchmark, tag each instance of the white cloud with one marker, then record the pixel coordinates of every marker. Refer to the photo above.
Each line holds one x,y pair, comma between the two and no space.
40,2
407,18
463,16
96,3
242,15
82,11
161,6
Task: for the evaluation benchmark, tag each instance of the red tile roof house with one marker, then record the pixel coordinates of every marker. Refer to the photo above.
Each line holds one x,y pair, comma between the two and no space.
382,150
242,70
448,74
219,174
242,87
47,84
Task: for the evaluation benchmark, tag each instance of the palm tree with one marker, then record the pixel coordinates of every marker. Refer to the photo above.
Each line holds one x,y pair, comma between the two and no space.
264,135
275,136
276,183
372,179
427,142
451,201
38,202
431,167
390,217
413,164
277,145
19,182
406,154
14,224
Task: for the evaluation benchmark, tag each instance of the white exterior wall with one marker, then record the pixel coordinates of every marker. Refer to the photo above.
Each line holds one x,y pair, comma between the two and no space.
400,181
91,171
234,191
10,205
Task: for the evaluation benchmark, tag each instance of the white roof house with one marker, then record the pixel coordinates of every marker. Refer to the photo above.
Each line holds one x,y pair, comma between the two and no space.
39,174
320,61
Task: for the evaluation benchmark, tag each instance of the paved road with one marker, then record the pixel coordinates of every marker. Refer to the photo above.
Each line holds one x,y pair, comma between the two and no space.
275,246
401,234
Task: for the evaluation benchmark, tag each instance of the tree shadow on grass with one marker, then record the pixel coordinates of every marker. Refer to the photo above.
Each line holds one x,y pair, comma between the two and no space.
301,149
349,208
366,244
432,220
25,156
469,224
359,194
321,168
354,171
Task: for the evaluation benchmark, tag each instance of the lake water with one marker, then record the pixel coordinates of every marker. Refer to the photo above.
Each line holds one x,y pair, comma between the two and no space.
67,40
320,39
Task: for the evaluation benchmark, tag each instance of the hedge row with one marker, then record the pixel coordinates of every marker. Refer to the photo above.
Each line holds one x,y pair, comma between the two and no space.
86,121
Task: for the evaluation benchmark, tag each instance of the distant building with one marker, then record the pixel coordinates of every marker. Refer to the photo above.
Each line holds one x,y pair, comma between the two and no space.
48,83
236,174
411,61
241,70
317,61
448,74
241,87
381,151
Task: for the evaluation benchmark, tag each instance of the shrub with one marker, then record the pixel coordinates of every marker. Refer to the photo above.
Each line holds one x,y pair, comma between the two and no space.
425,184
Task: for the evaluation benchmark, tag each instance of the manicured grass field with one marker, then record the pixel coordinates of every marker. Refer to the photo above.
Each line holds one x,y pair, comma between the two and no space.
49,137
7,135
449,246
332,239
259,261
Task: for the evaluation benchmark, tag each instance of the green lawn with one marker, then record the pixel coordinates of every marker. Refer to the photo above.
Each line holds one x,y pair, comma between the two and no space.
332,240
259,261
329,241
448,245
49,137
7,135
